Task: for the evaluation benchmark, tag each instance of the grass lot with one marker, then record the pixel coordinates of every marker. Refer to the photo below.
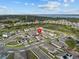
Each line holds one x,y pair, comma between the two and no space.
11,56
30,55
12,43
63,28
31,41
14,46
77,48
48,40
71,43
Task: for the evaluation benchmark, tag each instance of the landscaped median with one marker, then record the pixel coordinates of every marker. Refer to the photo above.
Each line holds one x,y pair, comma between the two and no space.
14,45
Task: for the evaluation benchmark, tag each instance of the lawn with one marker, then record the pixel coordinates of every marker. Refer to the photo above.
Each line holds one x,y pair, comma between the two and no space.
11,56
14,45
77,48
30,55
71,43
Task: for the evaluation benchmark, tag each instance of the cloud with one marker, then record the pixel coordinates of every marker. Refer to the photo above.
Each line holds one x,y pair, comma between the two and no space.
65,1
3,7
72,0
29,4
68,1
72,11
51,5
50,0
6,10
25,4
32,4
43,0
66,4
17,2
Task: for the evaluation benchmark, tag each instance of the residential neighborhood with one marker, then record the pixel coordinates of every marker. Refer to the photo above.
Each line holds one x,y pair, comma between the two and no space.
46,39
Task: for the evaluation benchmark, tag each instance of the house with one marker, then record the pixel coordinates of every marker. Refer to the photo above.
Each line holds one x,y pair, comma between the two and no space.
5,35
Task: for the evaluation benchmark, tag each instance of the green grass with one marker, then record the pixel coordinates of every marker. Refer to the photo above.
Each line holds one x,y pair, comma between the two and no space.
15,46
11,56
63,28
30,55
43,49
55,57
48,40
71,43
77,48
12,43
31,41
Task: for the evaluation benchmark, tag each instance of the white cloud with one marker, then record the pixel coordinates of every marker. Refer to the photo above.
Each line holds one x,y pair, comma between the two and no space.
65,1
66,4
6,10
29,4
32,4
71,11
43,0
3,7
68,1
50,0
72,0
17,2
51,5
25,4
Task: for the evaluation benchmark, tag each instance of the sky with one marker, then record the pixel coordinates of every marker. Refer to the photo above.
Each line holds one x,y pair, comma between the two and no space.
39,7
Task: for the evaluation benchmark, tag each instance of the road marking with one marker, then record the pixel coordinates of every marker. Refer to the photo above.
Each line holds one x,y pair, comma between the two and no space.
10,51
22,50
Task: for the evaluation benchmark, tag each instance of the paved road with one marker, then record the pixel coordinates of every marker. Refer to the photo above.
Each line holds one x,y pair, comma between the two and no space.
27,47
21,55
10,39
18,56
39,53
49,47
